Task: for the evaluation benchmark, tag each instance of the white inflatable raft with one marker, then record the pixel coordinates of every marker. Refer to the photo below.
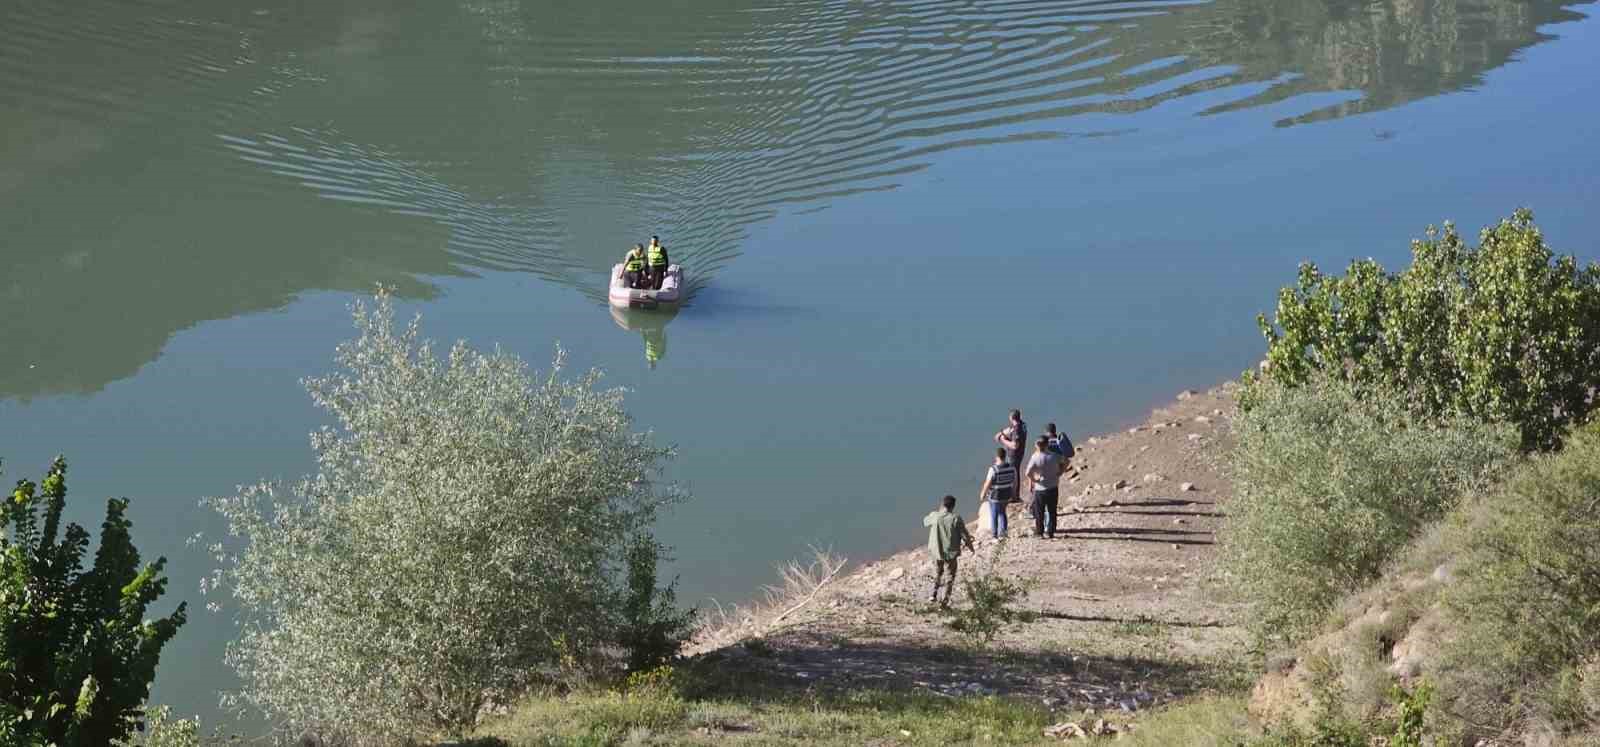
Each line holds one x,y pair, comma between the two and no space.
624,297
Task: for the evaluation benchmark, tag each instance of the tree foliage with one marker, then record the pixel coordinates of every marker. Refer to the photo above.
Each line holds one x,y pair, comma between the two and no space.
464,536
76,654
1506,331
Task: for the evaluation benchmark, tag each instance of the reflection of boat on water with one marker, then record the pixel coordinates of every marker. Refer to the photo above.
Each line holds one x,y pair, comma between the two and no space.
651,324
670,292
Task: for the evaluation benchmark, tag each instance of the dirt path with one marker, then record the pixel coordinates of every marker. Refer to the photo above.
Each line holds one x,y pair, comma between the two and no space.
1127,616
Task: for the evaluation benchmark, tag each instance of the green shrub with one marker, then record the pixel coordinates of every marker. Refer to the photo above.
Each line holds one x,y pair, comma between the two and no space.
76,654
464,539
1506,331
653,628
990,600
1331,481
1411,717
1528,599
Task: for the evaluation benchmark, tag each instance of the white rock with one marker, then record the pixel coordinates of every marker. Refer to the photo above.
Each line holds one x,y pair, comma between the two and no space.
1178,521
1186,487
1201,419
1153,477
1120,484
1187,393
899,573
1194,437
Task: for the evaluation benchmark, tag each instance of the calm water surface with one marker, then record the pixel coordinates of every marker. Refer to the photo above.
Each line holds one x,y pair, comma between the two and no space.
900,219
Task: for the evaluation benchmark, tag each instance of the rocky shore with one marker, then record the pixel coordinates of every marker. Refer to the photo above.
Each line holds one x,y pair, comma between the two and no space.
1128,615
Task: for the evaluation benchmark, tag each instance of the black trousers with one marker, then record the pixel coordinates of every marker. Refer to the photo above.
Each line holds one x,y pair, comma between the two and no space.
1045,504
631,277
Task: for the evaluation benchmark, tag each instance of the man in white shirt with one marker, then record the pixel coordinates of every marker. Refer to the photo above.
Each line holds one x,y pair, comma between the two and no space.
1044,476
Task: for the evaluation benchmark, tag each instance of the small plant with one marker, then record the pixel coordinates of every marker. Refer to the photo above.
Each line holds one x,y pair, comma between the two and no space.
662,681
990,600
1413,709
76,653
654,629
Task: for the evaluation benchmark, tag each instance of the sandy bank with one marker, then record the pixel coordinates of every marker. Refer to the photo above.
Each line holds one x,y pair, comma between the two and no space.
1128,616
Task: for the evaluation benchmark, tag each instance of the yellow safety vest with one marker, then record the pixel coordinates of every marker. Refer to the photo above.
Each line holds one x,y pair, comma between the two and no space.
635,262
658,256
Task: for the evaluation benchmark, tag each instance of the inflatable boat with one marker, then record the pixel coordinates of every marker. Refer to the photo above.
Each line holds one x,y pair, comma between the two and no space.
669,294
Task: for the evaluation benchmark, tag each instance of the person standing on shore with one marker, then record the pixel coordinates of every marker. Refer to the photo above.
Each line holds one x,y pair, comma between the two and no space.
1044,476
1014,437
946,534
999,488
1062,446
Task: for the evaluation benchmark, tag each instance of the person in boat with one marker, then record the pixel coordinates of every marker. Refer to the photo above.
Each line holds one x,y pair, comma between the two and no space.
658,262
633,267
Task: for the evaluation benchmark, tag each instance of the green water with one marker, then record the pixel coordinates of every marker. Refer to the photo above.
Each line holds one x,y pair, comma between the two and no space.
899,220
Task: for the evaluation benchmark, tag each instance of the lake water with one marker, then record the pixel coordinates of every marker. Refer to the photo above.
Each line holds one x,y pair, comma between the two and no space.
900,219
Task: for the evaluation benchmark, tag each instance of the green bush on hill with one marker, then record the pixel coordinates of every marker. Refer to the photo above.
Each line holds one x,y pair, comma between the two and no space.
1331,481
1527,602
76,654
1506,331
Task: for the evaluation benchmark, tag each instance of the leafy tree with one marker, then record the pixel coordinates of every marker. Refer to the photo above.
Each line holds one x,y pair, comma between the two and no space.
76,654
464,537
1506,331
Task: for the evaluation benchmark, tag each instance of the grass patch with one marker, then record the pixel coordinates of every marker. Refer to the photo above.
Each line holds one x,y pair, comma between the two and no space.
1210,721
1143,626
762,715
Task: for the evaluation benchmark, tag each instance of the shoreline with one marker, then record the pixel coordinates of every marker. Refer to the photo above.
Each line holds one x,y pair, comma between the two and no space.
1126,618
